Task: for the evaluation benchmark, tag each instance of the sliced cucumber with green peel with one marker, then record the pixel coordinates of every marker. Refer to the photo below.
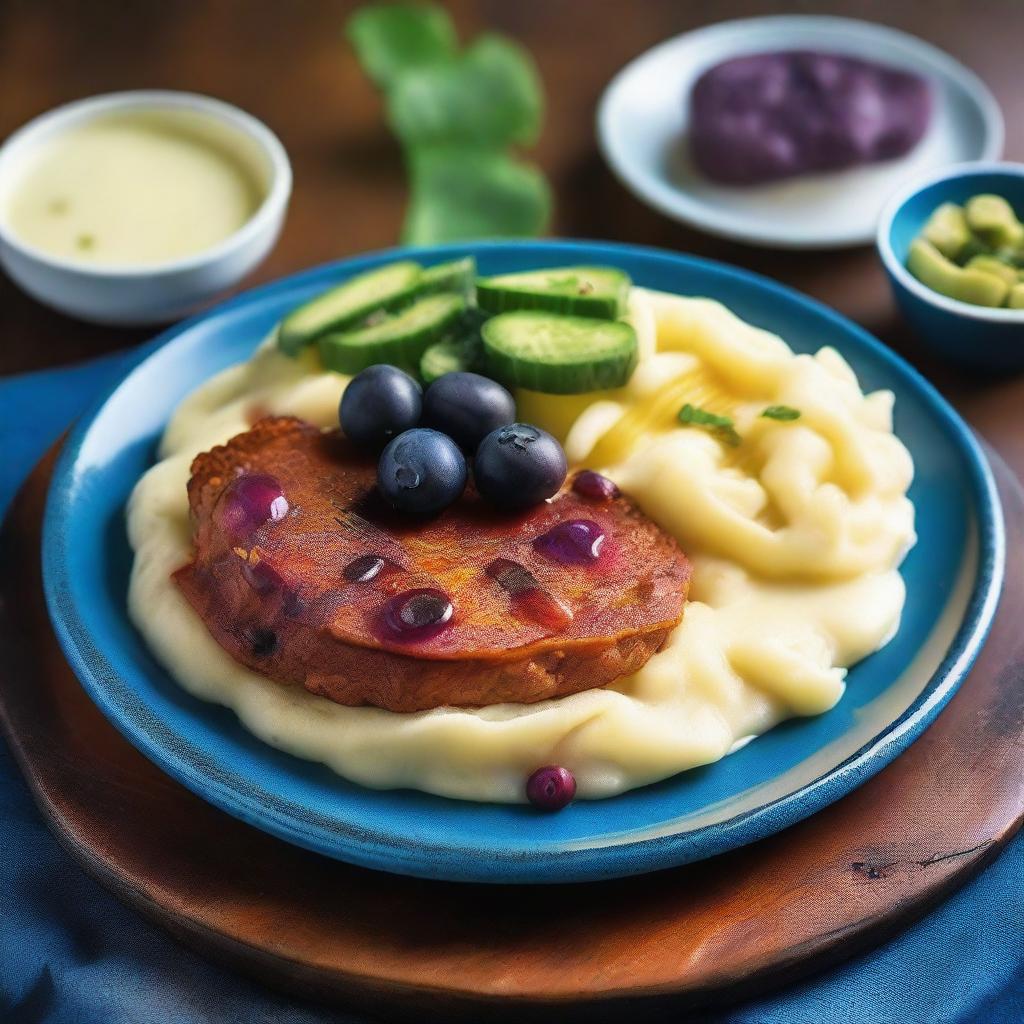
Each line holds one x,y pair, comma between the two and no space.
385,288
443,357
560,355
400,338
600,292
456,276
459,351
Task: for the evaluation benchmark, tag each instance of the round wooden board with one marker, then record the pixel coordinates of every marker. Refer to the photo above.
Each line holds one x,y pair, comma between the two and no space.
711,932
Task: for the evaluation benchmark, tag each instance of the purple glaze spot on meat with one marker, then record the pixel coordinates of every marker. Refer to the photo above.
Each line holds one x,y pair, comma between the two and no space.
511,576
417,614
574,542
249,502
541,606
767,116
529,600
594,487
260,575
294,605
260,640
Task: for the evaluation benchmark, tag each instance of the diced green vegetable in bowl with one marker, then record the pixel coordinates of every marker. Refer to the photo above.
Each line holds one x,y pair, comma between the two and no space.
993,221
993,265
947,230
972,253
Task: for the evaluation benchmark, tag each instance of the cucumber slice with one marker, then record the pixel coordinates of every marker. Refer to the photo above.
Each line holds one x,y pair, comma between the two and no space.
460,350
456,276
446,357
385,288
400,339
559,355
580,291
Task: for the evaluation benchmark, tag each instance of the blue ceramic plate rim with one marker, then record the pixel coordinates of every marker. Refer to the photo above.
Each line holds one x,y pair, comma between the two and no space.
371,848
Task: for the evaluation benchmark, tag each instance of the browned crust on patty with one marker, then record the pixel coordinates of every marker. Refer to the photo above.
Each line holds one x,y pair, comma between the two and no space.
298,620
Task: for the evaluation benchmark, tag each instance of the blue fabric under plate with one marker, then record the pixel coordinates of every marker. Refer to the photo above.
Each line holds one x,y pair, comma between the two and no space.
71,954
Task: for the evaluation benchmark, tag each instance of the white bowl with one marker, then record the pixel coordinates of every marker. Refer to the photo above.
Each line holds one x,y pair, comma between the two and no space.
164,291
642,125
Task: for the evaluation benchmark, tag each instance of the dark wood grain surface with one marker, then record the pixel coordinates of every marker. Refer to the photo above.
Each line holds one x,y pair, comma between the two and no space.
401,947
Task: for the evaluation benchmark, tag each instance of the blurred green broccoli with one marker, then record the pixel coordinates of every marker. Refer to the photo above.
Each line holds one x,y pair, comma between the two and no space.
457,115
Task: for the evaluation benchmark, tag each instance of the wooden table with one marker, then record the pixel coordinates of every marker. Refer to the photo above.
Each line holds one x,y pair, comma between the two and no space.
288,63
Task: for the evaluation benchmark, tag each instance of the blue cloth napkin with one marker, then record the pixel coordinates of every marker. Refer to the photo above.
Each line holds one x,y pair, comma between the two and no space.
71,954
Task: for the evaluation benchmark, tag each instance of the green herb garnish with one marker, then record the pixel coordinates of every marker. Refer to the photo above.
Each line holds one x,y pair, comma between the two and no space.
456,114
721,426
781,412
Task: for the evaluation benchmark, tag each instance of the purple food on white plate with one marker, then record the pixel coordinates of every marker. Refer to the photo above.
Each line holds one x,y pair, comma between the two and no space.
768,116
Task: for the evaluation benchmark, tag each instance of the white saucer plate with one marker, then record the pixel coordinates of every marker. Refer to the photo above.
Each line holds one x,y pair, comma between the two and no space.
642,127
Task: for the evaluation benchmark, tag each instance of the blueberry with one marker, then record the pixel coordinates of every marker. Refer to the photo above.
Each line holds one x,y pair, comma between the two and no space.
551,788
421,472
467,407
378,404
518,466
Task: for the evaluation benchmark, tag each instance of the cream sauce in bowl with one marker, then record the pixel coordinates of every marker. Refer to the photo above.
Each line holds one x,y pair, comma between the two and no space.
139,207
132,189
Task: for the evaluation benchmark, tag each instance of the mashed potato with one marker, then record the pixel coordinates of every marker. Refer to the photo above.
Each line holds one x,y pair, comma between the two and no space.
795,536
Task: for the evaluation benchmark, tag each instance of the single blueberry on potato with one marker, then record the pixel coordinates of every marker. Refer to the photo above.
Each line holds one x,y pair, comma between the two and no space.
378,404
519,465
467,407
551,788
421,472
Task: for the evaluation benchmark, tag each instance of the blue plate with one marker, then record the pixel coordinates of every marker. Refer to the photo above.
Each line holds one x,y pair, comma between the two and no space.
953,577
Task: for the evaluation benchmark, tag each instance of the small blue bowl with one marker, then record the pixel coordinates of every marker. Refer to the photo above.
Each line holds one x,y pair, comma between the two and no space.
976,336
